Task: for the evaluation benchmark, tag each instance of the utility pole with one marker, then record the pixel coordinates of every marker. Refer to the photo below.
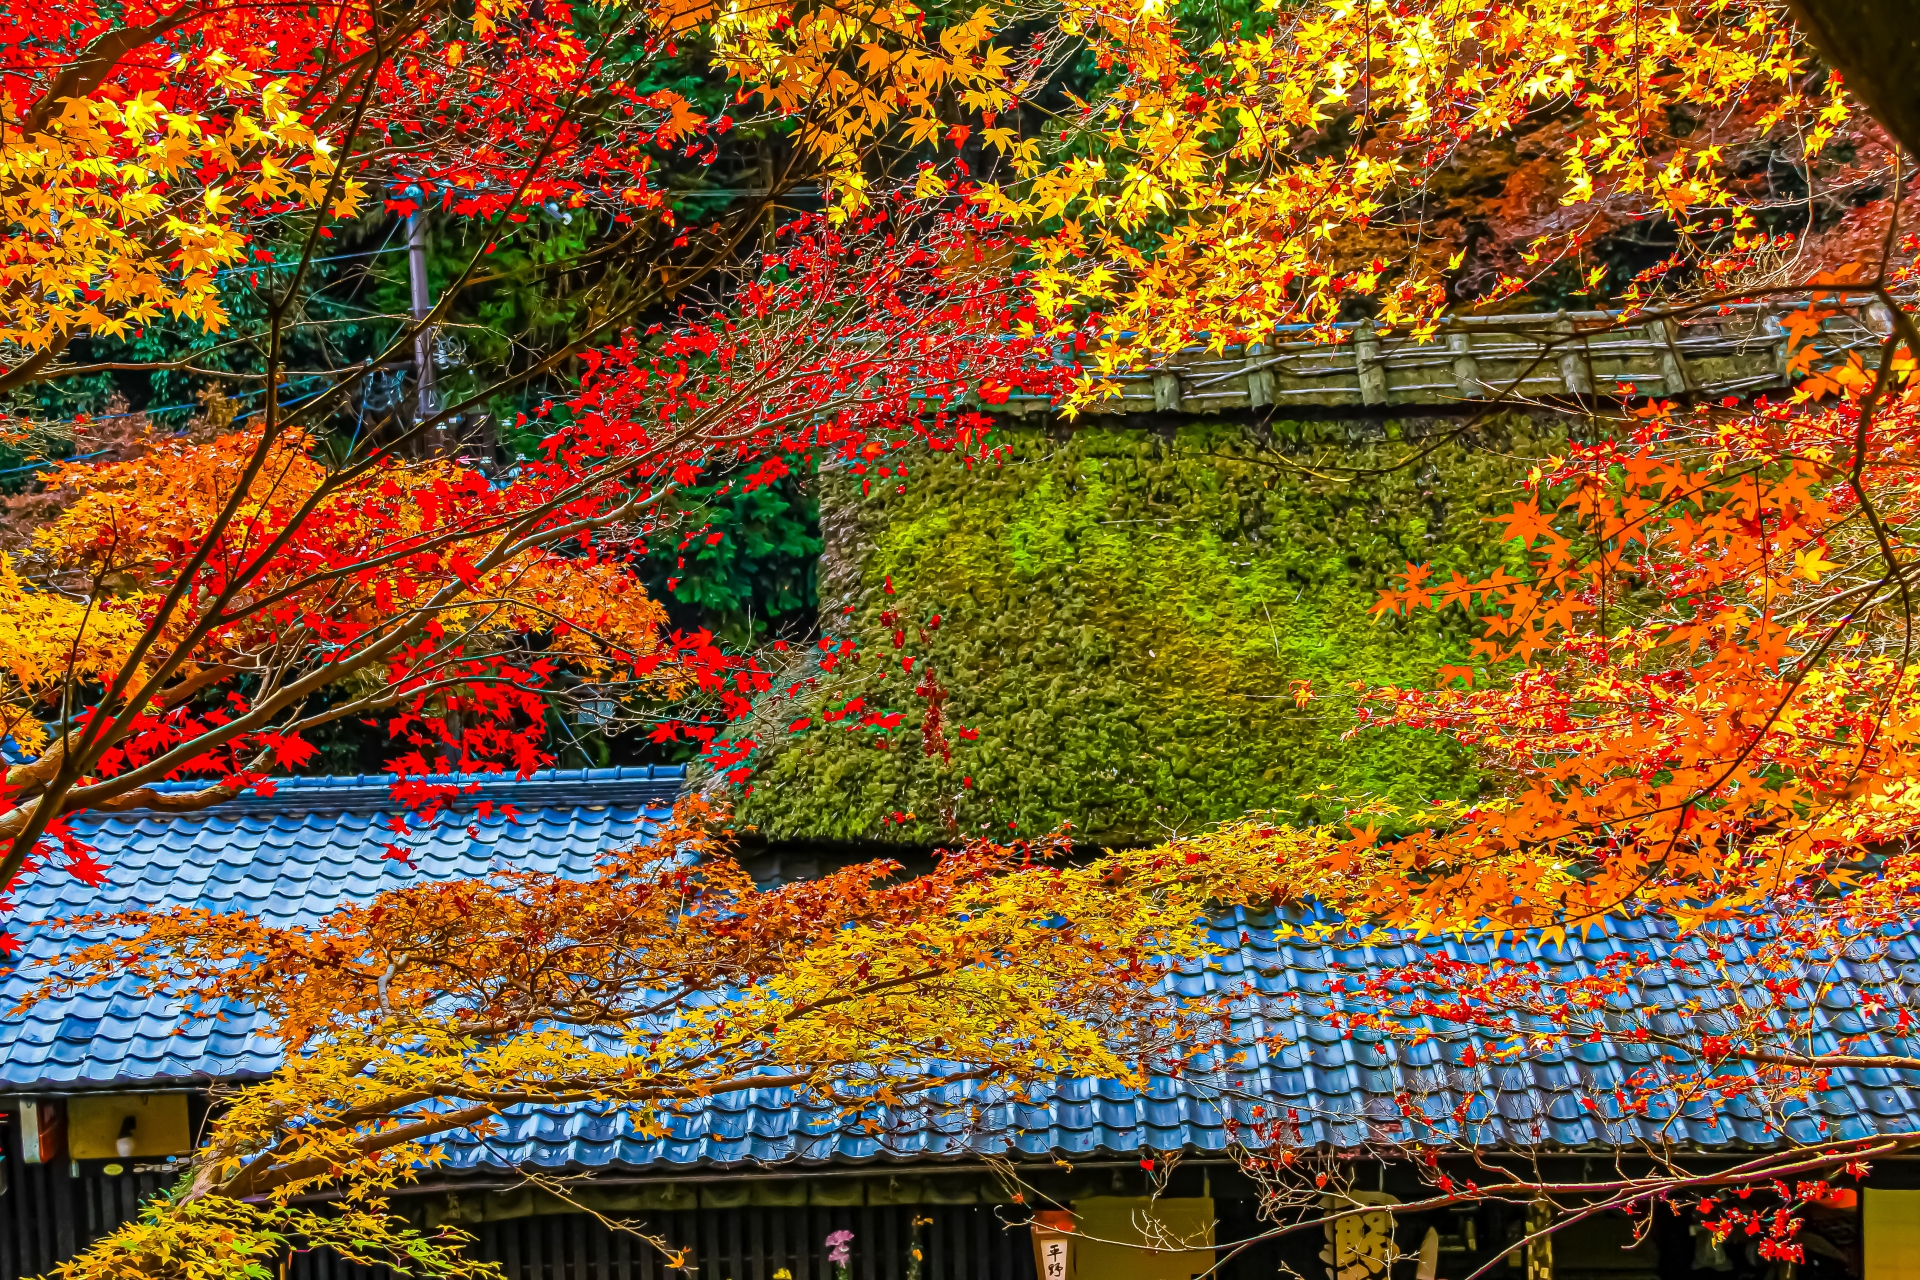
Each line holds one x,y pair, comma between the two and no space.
428,403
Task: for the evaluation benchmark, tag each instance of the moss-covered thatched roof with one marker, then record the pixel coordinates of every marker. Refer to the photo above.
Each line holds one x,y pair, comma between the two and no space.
1124,615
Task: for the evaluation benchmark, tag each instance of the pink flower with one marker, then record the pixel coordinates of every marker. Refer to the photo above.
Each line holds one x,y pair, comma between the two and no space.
840,1248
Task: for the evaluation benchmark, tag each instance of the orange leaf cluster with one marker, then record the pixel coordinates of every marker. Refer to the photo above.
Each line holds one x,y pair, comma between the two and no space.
1700,681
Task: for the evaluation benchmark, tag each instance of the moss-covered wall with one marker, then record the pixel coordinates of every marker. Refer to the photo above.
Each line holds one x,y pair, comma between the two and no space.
1124,613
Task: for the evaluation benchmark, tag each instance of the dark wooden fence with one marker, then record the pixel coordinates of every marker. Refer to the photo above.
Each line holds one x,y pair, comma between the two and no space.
957,1242
47,1215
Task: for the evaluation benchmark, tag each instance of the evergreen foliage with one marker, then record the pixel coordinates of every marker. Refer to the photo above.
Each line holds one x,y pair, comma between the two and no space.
747,565
1123,616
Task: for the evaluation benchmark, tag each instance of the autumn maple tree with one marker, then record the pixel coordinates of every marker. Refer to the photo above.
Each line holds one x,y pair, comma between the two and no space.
429,1013
1692,679
200,608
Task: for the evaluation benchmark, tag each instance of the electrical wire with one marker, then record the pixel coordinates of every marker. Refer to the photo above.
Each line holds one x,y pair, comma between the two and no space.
312,262
52,462
175,408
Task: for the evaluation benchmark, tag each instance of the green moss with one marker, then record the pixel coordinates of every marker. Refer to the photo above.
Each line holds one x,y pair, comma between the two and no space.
1124,615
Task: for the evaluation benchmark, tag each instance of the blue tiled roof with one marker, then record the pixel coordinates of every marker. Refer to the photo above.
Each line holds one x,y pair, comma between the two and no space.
292,857
320,842
1339,1091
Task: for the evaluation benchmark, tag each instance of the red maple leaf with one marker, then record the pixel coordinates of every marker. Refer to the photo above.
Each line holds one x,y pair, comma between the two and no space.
87,869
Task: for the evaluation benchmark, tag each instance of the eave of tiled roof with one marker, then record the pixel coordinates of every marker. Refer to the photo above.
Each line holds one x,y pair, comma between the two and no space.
321,842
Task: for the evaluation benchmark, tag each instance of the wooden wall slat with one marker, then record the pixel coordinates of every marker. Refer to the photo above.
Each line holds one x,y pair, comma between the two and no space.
777,1222
9,1228
515,1265
647,1258
871,1247
709,1253
623,1256
487,1240
31,1220
887,1239
682,1234
45,1229
802,1221
757,1267
536,1251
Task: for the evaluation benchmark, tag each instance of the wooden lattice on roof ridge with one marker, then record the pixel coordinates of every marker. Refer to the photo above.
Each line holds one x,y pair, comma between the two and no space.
1567,355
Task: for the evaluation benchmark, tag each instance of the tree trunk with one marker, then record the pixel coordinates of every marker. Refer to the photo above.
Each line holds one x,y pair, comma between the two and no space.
1875,45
